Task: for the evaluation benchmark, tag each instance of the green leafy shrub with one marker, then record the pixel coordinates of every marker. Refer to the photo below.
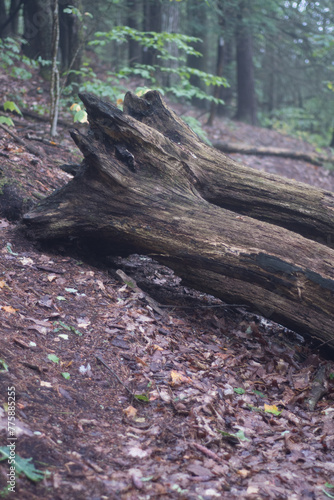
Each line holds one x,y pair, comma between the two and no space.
11,55
153,74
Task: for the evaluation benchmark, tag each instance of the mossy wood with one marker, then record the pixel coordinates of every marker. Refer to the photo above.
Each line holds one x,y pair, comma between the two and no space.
148,184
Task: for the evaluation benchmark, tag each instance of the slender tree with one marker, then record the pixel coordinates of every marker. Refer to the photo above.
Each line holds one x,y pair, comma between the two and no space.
54,87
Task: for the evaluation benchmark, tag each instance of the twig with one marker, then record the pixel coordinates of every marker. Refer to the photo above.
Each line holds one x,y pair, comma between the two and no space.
31,149
206,451
32,137
114,374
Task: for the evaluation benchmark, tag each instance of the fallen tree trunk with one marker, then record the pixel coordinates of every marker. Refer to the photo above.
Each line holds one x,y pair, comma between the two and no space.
147,191
224,182
246,149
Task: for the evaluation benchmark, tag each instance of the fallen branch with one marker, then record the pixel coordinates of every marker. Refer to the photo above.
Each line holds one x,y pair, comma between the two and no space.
30,149
245,149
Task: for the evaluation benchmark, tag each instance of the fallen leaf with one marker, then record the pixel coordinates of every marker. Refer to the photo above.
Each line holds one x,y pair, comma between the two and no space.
83,322
137,452
53,358
178,378
45,384
243,473
26,261
130,412
9,309
157,347
272,409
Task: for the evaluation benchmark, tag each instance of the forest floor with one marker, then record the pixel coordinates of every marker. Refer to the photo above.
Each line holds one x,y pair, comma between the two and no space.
114,400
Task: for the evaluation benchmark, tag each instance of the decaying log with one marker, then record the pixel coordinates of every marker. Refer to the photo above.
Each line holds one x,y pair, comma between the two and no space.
246,149
147,184
224,182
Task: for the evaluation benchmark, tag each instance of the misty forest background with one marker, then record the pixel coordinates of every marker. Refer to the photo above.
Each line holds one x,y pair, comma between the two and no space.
266,62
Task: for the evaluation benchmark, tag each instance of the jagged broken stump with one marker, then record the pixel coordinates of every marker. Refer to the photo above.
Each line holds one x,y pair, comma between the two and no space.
147,184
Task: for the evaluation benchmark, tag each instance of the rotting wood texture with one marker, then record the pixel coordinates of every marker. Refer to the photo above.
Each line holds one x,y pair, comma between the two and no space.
148,184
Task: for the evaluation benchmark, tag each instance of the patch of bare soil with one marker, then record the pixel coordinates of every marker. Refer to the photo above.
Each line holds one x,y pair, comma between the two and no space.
118,397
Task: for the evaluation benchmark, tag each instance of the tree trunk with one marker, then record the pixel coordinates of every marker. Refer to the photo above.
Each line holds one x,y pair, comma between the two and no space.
245,72
219,72
4,26
170,24
332,140
147,184
198,26
38,30
71,39
9,23
14,16
152,22
134,21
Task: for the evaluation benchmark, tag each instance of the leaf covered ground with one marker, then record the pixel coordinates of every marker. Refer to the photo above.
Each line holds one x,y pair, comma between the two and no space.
118,397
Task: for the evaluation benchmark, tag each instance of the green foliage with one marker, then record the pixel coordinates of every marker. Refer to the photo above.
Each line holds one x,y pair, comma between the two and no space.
23,465
326,493
150,40
11,57
111,87
312,123
3,366
11,106
161,43
196,127
53,358
79,114
6,121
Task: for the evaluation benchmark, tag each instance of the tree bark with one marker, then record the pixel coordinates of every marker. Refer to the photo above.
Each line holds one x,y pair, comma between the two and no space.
134,8
152,22
71,39
245,69
4,26
147,184
38,30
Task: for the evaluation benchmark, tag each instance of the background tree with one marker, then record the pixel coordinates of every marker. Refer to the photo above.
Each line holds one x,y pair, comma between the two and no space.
71,34
37,15
246,109
9,23
134,20
277,55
